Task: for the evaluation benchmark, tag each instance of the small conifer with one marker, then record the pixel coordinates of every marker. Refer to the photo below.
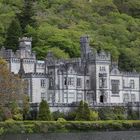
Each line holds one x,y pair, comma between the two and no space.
44,111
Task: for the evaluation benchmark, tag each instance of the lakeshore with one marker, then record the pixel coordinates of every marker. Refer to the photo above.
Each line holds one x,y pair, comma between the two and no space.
113,135
45,127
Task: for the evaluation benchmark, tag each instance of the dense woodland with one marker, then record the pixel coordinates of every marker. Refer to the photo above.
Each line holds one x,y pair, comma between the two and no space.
56,25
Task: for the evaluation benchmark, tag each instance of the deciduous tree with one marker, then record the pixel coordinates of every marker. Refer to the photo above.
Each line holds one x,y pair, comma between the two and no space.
11,86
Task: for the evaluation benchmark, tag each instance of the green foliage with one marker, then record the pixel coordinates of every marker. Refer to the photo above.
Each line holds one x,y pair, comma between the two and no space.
18,117
57,25
26,106
61,120
13,33
14,107
26,17
71,115
112,113
132,114
44,111
119,113
94,115
57,114
130,57
15,111
2,131
83,112
129,7
15,127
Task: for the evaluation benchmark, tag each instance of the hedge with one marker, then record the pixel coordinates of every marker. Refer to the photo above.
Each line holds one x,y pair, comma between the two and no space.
66,126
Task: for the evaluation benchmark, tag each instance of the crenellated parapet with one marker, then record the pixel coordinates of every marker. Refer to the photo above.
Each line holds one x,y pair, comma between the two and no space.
102,56
24,51
130,74
6,54
23,39
36,75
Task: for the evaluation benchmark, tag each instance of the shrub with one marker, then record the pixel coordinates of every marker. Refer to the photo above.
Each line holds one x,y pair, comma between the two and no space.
71,115
44,111
94,115
18,117
83,112
132,114
2,131
61,120
57,114
112,113
106,113
119,113
11,126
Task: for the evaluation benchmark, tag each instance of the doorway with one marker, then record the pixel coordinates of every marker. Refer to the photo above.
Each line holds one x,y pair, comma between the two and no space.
101,99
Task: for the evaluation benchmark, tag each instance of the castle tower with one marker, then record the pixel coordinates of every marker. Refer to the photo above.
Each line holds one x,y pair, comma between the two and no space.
85,48
102,62
25,43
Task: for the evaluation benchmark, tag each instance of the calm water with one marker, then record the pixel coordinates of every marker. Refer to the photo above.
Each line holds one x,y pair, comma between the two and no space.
121,135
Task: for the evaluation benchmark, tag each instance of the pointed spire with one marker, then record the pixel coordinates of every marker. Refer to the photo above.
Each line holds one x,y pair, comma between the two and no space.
21,70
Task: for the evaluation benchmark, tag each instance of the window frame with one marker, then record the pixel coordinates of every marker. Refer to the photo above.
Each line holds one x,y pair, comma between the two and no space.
115,86
132,83
79,82
43,83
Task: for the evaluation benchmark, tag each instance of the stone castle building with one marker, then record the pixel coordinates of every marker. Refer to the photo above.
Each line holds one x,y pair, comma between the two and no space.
92,77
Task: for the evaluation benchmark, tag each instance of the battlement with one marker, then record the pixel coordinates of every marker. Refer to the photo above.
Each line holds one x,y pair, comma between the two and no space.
103,56
25,39
133,74
24,51
84,39
36,75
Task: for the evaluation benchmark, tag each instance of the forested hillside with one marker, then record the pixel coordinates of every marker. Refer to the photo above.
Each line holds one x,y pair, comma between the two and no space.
113,25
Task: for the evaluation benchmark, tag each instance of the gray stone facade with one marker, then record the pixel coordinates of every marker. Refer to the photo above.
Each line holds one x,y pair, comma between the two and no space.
92,77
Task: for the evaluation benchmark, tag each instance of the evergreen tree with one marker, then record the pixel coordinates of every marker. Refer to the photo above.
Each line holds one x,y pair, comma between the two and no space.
26,16
80,111
13,33
83,112
86,113
44,111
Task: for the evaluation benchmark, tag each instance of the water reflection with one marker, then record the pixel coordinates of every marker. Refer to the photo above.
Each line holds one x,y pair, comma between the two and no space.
120,135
